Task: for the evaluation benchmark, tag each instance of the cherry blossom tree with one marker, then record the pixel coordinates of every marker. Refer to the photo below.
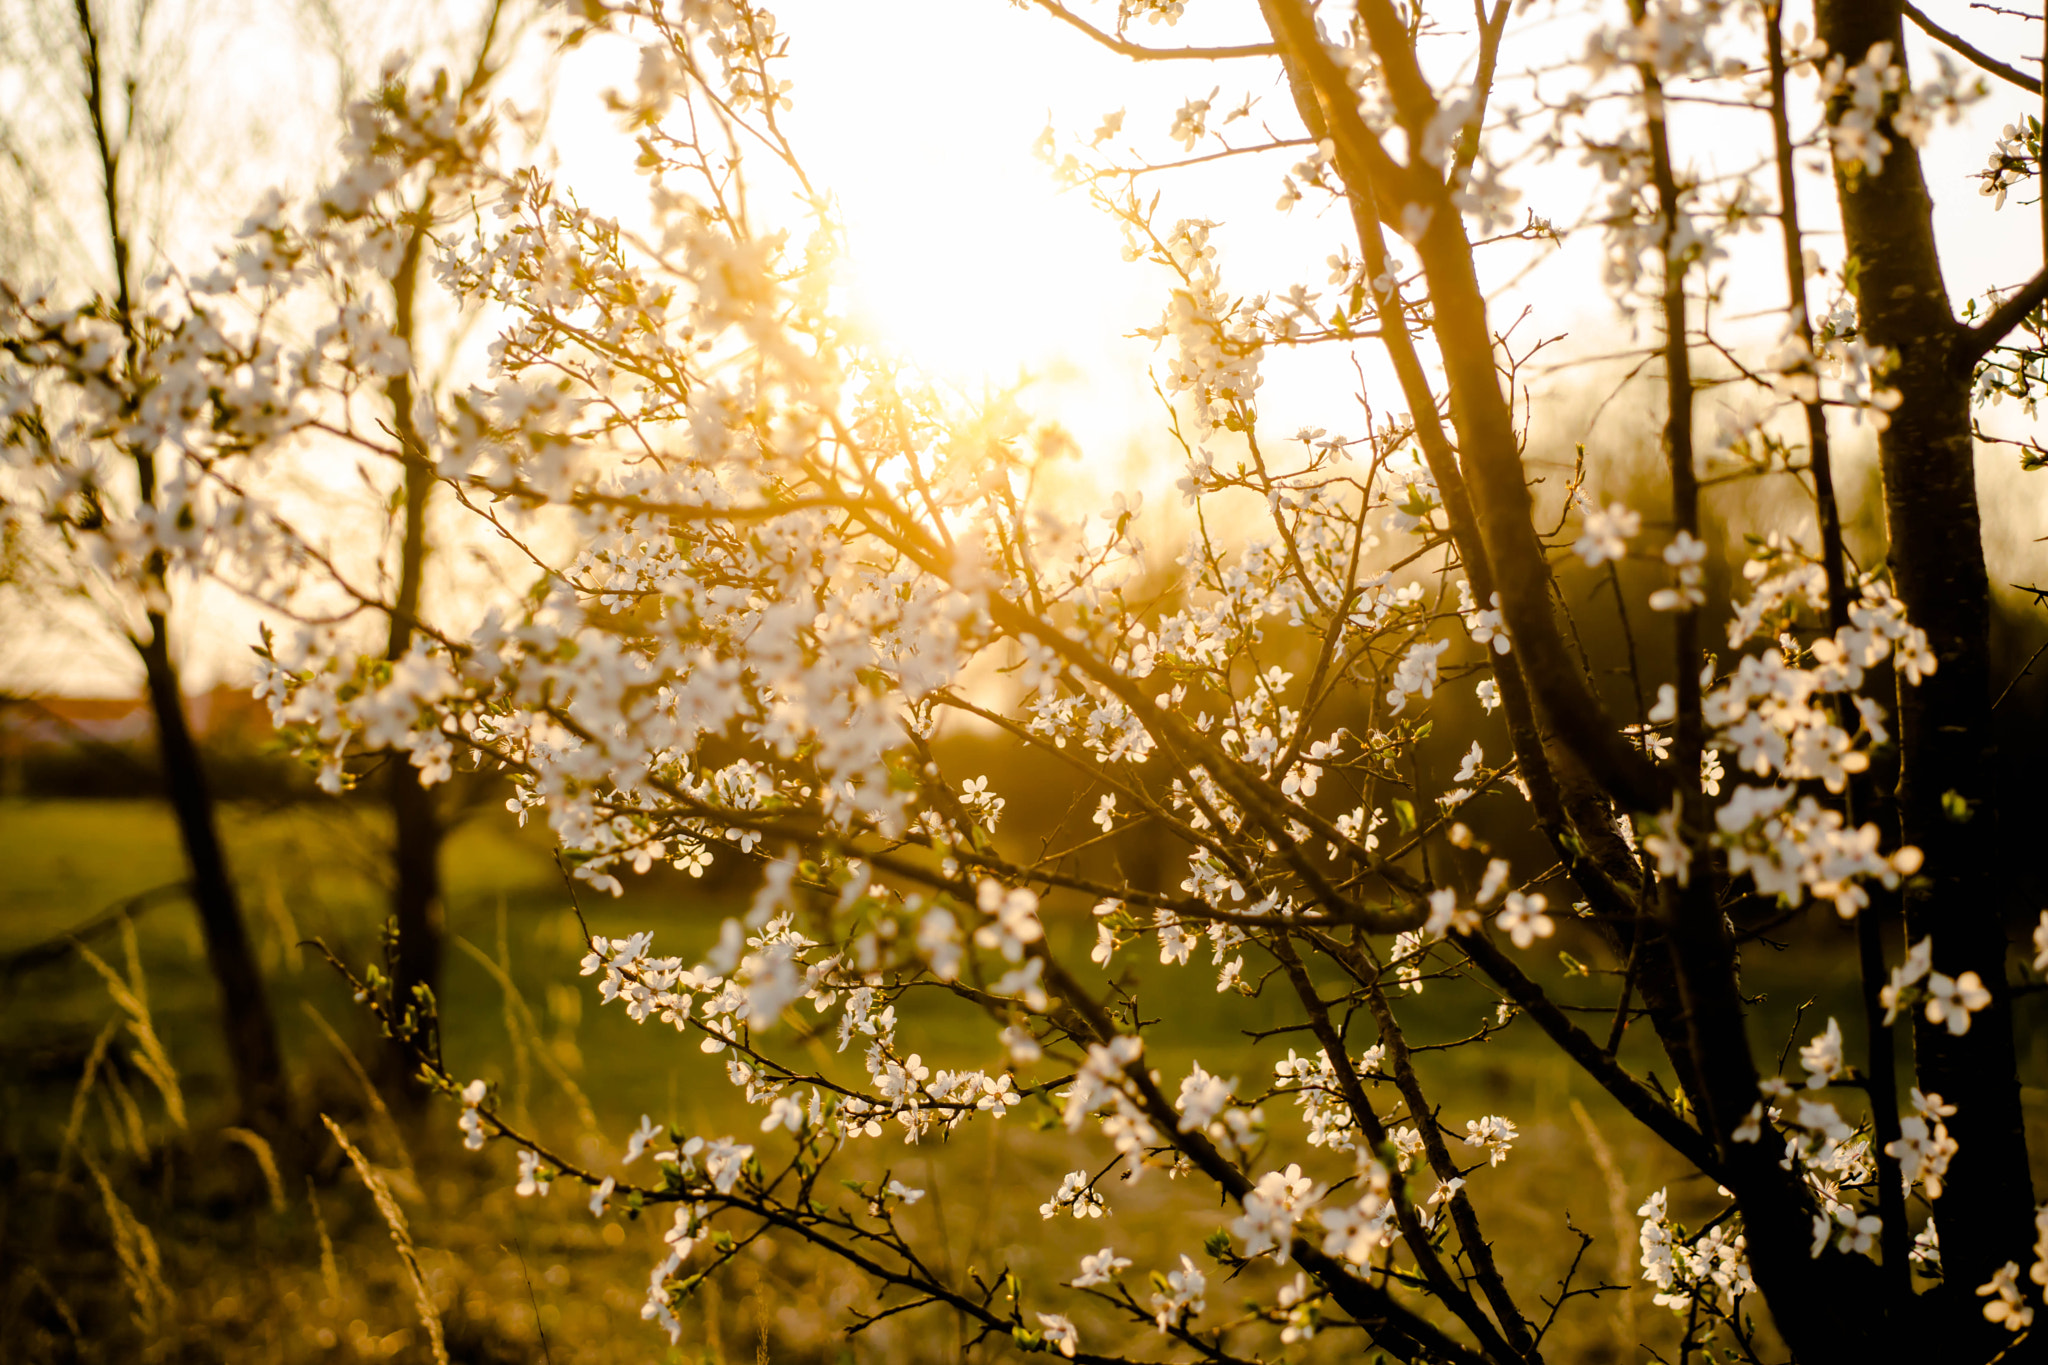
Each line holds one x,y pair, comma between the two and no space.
770,575
96,510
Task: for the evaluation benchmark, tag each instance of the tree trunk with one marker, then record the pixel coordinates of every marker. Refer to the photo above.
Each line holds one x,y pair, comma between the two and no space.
260,1088
1946,748
416,825
415,897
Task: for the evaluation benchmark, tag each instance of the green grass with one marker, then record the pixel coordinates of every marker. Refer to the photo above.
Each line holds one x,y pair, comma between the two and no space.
248,1284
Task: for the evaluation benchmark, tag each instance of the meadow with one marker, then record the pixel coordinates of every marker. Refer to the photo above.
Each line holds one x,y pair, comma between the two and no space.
126,1235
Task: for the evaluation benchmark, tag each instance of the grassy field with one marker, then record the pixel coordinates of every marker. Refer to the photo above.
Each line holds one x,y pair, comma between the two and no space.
314,1275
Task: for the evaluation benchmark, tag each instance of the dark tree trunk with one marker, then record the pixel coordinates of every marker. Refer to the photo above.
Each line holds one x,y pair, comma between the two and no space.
416,832
1707,1028
1946,744
415,894
260,1088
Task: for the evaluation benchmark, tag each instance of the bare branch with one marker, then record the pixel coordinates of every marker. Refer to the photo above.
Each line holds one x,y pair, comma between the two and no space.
1956,43
1138,52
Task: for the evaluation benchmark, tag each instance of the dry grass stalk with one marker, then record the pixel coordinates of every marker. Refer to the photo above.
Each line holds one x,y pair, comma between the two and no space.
389,1135
401,1237
519,1021
286,927
266,1161
135,1248
522,1049
124,1116
714,1314
131,993
36,1280
76,1122
330,1272
1617,1213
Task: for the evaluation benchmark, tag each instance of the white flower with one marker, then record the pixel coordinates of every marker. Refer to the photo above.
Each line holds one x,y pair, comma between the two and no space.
896,1189
1684,554
1025,983
725,1161
1059,1333
1185,1289
1074,1196
1494,1133
1751,1129
1175,942
534,1178
2006,1308
1524,919
601,1196
1924,1147
1104,1266
1822,1057
1926,1252
1445,916
1270,1210
1919,962
1475,761
1416,673
938,938
1953,1001
638,1140
1202,1098
1022,1047
1665,843
1603,536
1190,125
681,1235
784,1111
1496,877
1355,1231
1016,919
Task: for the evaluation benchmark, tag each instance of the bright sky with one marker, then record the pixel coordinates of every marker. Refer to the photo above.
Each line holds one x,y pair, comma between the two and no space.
921,116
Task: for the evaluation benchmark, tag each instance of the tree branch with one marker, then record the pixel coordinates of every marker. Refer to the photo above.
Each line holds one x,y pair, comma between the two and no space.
1978,341
1976,56
1138,52
1684,1139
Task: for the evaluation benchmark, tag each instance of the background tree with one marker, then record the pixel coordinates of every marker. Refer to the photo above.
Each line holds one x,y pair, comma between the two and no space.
418,827
75,513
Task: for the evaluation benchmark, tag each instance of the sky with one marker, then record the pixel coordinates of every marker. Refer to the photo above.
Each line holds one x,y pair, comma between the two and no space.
922,115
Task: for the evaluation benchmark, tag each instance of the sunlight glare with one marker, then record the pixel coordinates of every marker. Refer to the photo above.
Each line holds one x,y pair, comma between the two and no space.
966,258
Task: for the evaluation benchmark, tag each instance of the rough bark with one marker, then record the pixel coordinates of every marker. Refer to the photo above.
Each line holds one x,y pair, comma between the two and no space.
251,1035
1946,743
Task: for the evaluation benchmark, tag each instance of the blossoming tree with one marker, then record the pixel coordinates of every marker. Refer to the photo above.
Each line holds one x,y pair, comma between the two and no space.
770,576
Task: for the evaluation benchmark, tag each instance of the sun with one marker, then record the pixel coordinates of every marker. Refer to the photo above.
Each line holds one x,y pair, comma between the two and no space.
965,256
